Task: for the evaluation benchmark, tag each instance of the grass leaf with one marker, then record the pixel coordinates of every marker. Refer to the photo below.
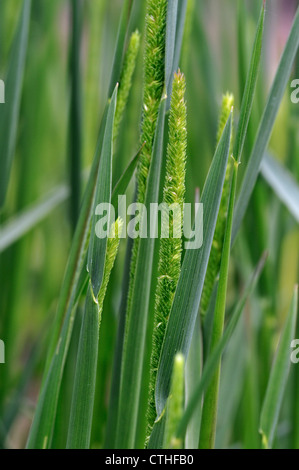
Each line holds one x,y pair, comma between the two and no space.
188,293
250,86
42,427
97,250
210,406
9,112
283,184
136,332
213,360
267,123
278,378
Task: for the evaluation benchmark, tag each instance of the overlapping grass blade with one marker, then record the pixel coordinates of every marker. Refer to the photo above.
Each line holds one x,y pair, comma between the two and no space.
213,360
120,44
135,336
180,29
250,86
210,406
171,23
9,113
86,367
267,123
278,378
283,184
193,371
42,427
96,255
188,293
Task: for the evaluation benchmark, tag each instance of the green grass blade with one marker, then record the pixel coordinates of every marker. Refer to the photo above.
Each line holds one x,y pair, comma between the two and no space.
213,360
117,361
171,24
283,184
103,195
9,112
121,186
250,87
136,332
278,378
188,293
193,371
210,406
120,44
78,249
267,123
180,29
42,427
22,223
85,378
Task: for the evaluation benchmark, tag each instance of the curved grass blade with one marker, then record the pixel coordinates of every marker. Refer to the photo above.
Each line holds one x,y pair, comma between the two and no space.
136,332
120,44
9,112
278,378
85,378
267,123
188,293
78,251
283,184
171,23
193,371
42,427
213,360
96,254
180,29
81,415
210,406
250,87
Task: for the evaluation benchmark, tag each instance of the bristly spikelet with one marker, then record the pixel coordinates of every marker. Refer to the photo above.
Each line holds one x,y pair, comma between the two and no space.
154,66
154,74
216,250
112,249
126,80
170,248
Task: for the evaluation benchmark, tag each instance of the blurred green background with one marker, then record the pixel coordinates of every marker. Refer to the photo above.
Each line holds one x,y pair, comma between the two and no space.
216,51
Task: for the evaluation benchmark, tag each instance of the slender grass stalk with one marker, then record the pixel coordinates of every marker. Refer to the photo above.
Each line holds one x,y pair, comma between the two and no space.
175,405
126,80
216,250
187,33
215,356
209,412
170,248
278,378
92,97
